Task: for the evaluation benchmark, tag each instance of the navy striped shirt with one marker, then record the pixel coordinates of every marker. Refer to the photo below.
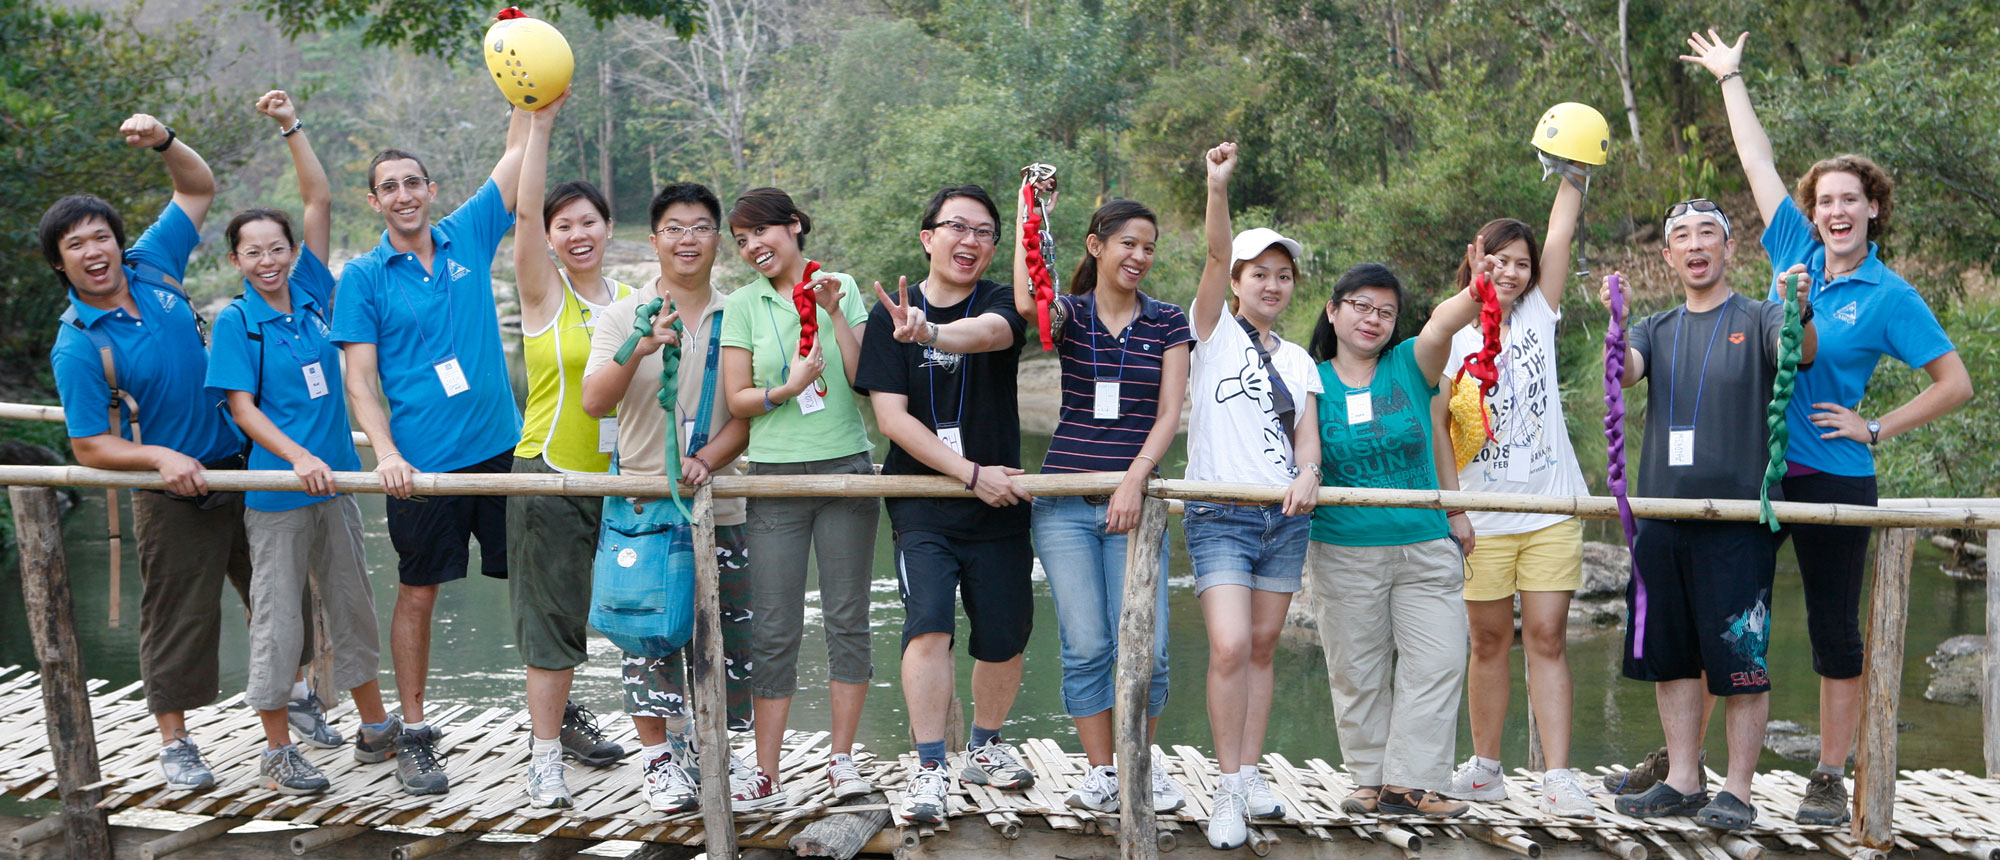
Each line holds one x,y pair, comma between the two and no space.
1083,443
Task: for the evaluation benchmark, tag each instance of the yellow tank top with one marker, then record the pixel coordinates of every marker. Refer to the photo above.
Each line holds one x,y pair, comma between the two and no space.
556,428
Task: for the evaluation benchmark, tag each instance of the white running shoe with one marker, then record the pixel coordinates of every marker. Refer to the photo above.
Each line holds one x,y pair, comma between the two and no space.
1258,801
926,798
846,778
668,788
1226,828
1167,796
998,765
546,787
1474,781
1098,792
1564,795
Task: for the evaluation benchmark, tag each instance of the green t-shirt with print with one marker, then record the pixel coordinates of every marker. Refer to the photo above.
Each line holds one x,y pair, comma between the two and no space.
763,321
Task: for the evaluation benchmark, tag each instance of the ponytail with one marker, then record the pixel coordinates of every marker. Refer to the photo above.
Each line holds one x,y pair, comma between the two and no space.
1105,223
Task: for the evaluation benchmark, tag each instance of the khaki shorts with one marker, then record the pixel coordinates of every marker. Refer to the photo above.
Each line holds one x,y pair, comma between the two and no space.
1549,559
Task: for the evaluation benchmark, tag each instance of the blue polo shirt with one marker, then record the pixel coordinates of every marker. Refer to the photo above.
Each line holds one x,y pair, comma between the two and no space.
158,354
274,369
1089,353
1859,318
418,318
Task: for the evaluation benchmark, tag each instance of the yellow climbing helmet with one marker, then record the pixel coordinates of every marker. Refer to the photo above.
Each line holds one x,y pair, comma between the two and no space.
1572,130
531,62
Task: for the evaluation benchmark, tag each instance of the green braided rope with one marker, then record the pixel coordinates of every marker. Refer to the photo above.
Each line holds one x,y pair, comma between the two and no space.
1781,399
670,368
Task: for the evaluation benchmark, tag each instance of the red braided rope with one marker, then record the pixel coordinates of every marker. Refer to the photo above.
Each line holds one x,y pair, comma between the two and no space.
1482,364
802,299
1038,268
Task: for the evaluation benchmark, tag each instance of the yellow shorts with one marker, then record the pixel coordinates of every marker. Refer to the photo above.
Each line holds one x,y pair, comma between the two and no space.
1549,559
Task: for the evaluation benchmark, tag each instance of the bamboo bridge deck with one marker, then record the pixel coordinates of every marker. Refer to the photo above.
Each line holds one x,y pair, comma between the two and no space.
1937,813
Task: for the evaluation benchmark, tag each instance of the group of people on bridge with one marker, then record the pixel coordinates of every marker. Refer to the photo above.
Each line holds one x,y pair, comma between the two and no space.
672,377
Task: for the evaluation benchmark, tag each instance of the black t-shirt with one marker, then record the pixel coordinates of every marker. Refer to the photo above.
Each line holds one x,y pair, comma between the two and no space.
977,391
1730,446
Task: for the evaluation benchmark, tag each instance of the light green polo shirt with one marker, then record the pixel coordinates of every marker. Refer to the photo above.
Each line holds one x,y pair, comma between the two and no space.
760,319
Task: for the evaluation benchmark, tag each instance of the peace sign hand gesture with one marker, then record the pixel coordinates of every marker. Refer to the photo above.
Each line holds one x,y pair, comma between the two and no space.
911,326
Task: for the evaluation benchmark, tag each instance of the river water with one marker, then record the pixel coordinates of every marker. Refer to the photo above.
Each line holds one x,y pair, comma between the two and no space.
472,658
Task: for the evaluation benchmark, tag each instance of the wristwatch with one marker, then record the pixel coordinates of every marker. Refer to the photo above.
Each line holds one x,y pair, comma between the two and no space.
1874,432
1315,469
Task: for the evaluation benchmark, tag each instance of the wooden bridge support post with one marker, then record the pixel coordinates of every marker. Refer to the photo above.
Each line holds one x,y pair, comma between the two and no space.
52,623
1882,674
1136,622
1990,697
711,694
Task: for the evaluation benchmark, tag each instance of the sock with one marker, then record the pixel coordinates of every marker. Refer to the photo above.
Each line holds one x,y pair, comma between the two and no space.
419,726
379,726
930,753
1835,771
299,690
982,737
1233,782
173,744
648,754
543,746
1492,764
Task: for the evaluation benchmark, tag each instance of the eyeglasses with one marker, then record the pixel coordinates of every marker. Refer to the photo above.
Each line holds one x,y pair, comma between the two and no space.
412,184
1702,205
959,229
675,231
1386,313
255,254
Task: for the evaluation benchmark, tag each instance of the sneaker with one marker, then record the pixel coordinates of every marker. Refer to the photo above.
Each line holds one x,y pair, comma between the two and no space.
925,799
308,719
1258,800
1643,776
584,741
373,745
286,771
181,763
846,778
1826,800
998,765
1429,804
1167,796
1098,792
681,746
751,789
546,787
1475,781
1563,795
1226,827
668,788
419,766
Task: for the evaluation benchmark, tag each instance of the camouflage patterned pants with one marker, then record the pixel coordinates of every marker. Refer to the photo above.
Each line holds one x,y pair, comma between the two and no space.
657,686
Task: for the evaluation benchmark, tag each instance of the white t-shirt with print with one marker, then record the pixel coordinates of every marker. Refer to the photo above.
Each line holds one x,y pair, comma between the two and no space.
1530,451
1233,436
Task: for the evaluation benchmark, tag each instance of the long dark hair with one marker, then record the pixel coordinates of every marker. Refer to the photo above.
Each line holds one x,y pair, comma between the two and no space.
1105,223
763,207
1499,233
1323,344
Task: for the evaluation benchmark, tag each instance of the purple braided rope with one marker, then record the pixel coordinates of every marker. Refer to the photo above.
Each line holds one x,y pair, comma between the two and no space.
1614,437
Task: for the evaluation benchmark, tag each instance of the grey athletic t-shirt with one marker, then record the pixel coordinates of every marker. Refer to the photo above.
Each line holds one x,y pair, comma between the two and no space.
1725,406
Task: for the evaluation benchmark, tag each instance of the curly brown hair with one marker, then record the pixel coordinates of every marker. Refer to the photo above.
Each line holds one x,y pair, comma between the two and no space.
1876,183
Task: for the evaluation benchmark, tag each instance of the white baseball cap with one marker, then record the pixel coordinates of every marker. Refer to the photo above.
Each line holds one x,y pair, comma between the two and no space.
1256,240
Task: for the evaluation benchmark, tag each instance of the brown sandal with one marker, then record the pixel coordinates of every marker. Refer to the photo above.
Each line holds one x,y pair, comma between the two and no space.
1362,801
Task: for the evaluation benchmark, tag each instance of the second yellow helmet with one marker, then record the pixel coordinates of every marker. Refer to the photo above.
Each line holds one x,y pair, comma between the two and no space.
531,62
1575,131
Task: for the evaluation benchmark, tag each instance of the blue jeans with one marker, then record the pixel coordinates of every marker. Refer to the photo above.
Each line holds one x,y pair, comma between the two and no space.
1086,572
1255,546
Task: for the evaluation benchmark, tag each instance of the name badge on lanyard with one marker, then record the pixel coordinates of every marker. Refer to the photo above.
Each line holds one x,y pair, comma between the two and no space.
1104,407
315,380
810,401
1360,407
452,377
607,434
952,439
1520,462
1680,446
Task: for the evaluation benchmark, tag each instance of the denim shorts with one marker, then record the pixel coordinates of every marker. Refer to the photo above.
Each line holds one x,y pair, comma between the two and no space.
1255,546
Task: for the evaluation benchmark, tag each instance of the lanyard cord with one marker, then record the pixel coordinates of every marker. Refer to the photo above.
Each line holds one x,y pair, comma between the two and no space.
931,367
450,317
1701,384
1124,340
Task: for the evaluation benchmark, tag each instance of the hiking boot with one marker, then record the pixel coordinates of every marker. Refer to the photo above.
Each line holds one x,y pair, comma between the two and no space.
286,771
928,794
584,741
181,763
1227,828
1167,796
1826,800
668,788
419,766
1363,800
1098,792
1258,800
307,717
998,765
846,778
1563,795
1644,775
1475,781
1429,804
372,745
751,789
546,787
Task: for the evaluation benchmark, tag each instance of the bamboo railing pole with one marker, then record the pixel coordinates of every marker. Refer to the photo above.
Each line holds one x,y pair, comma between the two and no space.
65,697
41,412
711,695
1990,701
1137,621
1882,685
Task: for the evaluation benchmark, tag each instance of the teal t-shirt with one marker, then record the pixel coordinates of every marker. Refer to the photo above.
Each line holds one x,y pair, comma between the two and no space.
1392,450
760,320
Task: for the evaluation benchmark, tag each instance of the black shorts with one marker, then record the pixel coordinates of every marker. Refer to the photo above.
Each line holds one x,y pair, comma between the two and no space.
429,532
1700,602
933,571
1832,562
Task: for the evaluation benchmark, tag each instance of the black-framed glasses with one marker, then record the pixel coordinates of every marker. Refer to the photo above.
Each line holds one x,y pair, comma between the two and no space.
960,229
412,184
699,231
1385,313
1702,205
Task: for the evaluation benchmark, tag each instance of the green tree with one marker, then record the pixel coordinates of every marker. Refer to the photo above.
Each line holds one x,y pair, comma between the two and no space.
441,27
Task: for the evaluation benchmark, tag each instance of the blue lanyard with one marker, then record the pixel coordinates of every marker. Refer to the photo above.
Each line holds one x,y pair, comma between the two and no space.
784,357
704,414
1721,317
970,303
1124,341
450,320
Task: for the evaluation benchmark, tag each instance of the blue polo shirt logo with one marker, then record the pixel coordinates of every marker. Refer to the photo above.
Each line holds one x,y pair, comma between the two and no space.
167,299
455,270
1848,314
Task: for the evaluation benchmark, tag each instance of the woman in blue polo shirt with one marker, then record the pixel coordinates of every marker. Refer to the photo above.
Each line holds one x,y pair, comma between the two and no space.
274,357
1864,311
1124,363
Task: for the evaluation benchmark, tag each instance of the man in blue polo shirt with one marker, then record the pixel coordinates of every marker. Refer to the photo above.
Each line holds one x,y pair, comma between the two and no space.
129,317
417,323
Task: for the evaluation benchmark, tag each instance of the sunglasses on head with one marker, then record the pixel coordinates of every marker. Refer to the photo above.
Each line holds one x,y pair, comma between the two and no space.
1700,205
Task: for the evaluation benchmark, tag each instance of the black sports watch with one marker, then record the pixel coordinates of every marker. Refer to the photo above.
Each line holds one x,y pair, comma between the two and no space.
169,142
1874,432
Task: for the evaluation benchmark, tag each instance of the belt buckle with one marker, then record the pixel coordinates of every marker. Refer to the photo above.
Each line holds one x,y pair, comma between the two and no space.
1098,500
